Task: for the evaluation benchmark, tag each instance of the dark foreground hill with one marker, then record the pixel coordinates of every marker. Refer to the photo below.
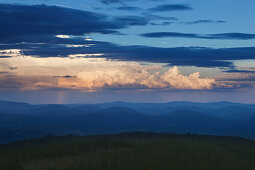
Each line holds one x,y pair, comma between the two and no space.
130,151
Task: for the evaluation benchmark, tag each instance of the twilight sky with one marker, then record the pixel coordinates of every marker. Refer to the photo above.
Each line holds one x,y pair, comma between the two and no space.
90,51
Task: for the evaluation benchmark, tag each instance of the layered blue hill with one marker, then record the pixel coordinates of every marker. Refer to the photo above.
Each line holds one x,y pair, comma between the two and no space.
21,121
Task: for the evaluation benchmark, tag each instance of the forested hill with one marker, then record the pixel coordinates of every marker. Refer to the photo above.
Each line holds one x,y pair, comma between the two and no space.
130,151
19,121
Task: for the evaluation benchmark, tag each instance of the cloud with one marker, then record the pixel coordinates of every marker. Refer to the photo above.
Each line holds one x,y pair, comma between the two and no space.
62,36
142,20
131,20
237,80
13,68
193,81
45,24
21,23
128,8
204,22
87,74
162,23
158,17
185,56
24,20
239,71
9,81
9,53
224,36
34,37
182,56
66,76
170,7
108,2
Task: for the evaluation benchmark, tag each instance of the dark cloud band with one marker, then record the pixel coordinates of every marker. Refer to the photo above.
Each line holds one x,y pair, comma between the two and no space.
21,20
170,7
32,29
226,36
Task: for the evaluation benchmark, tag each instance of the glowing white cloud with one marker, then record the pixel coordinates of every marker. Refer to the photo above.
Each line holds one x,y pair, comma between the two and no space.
84,55
76,45
175,79
62,36
88,74
88,39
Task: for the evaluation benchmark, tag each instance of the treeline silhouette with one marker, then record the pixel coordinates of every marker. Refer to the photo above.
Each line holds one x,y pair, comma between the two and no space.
130,151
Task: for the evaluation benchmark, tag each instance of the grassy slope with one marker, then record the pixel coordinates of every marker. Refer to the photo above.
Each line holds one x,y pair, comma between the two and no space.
132,151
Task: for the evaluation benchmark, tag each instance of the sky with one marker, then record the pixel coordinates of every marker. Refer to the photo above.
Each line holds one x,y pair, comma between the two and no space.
93,51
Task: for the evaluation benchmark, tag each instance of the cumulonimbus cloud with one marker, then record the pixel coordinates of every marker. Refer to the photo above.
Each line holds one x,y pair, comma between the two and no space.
87,74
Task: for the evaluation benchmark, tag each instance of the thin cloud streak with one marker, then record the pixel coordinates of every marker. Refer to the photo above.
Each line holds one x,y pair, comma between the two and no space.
205,22
223,36
170,7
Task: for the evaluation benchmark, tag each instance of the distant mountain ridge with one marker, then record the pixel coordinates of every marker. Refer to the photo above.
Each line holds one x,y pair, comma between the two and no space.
21,120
